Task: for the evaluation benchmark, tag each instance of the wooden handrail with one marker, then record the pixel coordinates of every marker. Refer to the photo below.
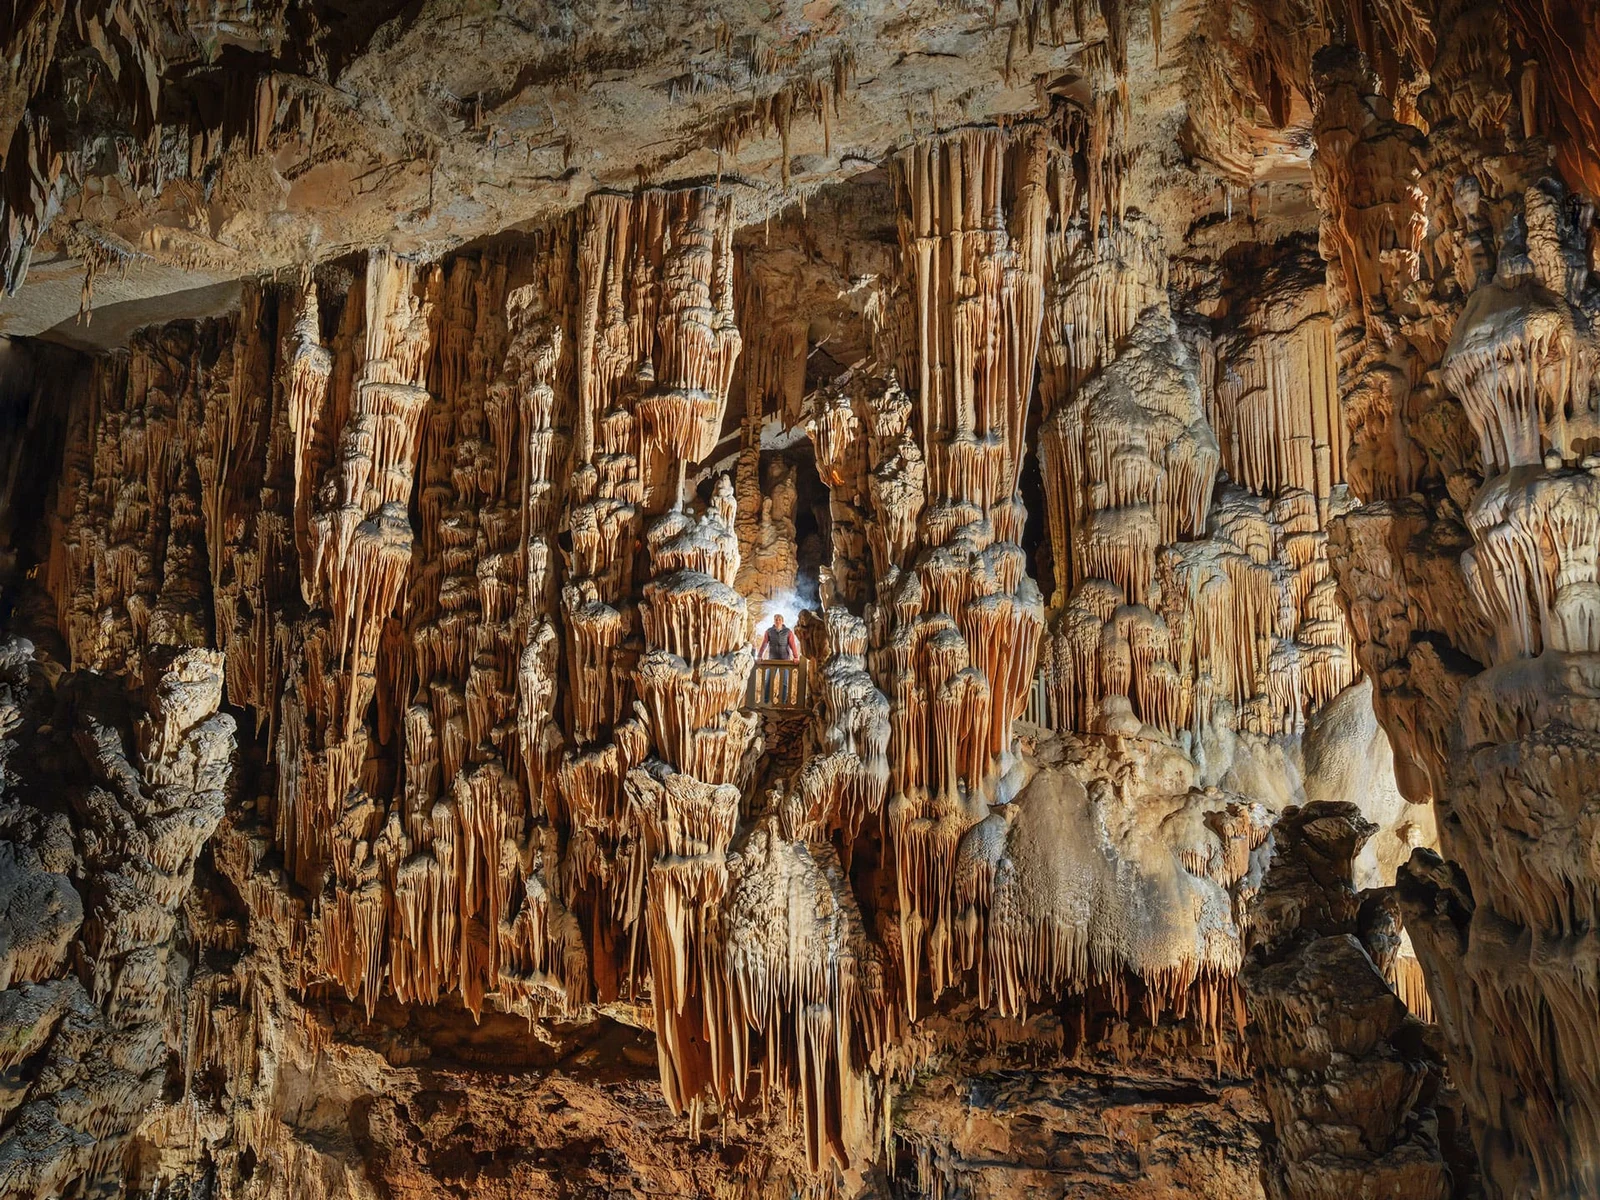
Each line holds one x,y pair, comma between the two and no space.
1038,706
777,683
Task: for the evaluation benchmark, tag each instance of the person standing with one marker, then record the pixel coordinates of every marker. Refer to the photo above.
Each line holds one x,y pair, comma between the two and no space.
778,645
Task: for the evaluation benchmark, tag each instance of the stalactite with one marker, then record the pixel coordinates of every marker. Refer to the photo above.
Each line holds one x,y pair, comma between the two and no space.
1097,132
1131,461
363,534
768,554
656,313
1101,279
839,440
360,551
774,357
309,366
1271,391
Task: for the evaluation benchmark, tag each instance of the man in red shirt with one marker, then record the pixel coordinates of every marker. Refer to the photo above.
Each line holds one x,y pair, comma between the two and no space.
779,645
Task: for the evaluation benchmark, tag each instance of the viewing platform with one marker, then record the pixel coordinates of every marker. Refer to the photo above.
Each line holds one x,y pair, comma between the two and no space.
778,684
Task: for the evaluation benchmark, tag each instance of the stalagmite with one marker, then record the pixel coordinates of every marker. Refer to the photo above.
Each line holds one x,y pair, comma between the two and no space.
1045,909
805,988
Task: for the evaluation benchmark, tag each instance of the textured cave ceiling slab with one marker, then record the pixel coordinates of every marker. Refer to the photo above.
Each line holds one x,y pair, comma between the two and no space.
443,124
110,325
145,293
294,135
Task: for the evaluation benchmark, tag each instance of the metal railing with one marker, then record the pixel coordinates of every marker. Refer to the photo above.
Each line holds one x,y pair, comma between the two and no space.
777,683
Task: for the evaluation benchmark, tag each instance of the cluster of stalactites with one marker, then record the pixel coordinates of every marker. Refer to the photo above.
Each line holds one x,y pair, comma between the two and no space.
483,640
1128,462
361,543
1522,363
450,884
525,397
1100,280
775,345
127,562
685,799
308,372
543,946
655,351
765,984
1532,568
1102,646
766,494
1522,357
697,660
657,342
361,535
974,210
1126,455
437,903
1097,133
1243,626
1272,399
1365,177
973,238
1505,451
955,625
687,826
1051,892
1173,611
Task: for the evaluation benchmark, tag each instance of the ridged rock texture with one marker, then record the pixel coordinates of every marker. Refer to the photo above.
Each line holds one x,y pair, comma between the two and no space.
1172,433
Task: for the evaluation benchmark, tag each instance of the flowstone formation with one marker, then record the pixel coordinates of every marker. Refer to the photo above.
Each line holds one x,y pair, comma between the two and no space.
1171,435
